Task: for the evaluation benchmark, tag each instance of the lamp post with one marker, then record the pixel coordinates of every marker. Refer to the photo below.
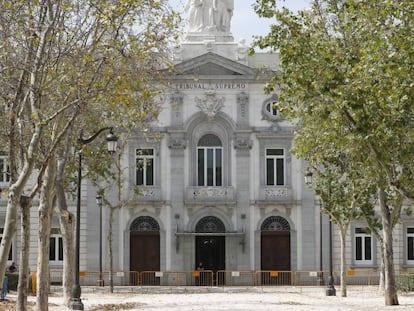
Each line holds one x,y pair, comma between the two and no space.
320,245
330,289
99,202
76,302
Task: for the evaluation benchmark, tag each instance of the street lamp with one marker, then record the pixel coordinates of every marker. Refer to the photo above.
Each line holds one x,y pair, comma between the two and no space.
320,244
99,202
76,302
330,288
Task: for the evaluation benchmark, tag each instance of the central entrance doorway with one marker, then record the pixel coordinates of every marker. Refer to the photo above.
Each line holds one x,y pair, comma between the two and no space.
210,249
210,252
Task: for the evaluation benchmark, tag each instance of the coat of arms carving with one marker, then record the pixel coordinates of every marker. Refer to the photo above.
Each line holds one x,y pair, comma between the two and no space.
210,104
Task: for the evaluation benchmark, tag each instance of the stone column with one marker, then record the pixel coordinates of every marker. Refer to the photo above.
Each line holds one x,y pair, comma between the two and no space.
243,145
177,146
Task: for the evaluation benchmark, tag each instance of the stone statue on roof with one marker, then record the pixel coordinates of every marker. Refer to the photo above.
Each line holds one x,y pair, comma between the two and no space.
209,15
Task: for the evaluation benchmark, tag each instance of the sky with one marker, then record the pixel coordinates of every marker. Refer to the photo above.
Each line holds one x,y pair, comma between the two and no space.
245,23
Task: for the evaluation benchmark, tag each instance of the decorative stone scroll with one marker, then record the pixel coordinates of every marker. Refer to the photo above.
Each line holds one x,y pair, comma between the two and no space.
243,144
243,108
177,143
176,100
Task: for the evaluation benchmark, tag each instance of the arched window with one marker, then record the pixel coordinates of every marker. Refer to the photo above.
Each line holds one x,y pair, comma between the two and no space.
275,223
210,161
145,223
210,224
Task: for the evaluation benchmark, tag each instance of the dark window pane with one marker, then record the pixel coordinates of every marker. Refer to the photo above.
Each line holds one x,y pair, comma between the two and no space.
145,152
60,249
275,152
218,167
368,254
140,176
274,110
52,249
280,172
358,248
200,167
410,248
210,167
209,140
150,172
270,176
410,230
360,230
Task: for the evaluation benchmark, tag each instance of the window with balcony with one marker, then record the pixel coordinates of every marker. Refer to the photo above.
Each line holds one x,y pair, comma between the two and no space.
275,167
363,247
145,167
210,161
56,248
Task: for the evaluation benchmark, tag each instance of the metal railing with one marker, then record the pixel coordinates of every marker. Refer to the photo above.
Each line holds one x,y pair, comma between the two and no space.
220,278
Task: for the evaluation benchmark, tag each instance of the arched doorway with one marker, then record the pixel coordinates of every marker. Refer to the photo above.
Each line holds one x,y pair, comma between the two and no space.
275,244
144,244
210,244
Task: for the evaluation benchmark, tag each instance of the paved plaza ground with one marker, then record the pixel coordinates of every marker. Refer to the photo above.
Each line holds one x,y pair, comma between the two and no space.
235,299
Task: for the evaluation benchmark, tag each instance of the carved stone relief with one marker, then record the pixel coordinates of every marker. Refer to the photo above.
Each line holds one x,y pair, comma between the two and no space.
210,105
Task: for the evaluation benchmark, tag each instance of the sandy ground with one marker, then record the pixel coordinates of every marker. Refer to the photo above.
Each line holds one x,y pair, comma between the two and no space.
235,299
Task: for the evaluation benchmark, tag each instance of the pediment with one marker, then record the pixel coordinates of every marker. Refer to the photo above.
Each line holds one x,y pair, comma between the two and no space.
211,64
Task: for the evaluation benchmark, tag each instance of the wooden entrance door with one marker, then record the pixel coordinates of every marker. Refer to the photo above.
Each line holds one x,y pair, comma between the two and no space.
145,251
275,250
144,256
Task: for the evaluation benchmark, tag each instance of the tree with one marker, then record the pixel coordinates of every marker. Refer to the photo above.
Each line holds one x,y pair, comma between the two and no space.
62,64
348,64
343,192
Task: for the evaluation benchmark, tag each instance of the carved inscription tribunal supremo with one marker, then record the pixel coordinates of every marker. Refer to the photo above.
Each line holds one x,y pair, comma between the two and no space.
209,86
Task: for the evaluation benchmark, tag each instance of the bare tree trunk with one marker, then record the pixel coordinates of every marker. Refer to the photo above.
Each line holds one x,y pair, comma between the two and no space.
343,229
391,296
21,304
45,215
381,287
67,227
8,233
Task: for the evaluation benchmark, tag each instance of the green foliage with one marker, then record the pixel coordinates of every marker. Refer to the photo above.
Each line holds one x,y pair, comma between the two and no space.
346,81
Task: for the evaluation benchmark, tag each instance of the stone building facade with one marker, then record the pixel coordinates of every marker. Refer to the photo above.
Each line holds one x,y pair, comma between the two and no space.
218,183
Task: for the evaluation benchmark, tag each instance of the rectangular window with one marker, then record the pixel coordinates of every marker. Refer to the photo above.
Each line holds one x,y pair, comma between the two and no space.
145,167
275,167
4,170
210,166
56,248
410,246
363,247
